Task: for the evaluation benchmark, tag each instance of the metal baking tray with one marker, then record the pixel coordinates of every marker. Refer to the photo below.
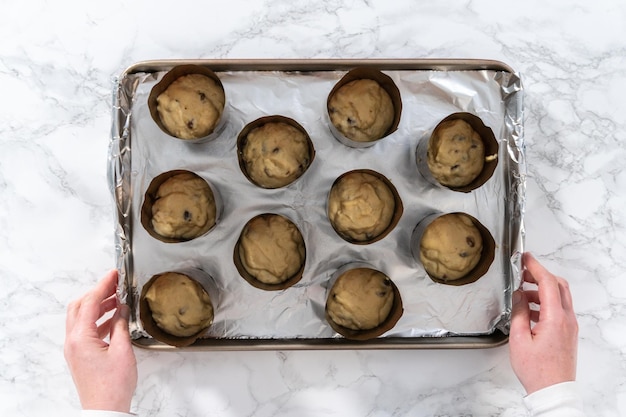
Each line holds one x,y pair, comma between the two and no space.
430,89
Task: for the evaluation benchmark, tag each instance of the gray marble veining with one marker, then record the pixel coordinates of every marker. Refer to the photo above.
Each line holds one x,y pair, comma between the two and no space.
57,63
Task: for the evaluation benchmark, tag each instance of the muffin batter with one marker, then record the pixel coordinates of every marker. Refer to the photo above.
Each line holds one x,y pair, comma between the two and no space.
184,207
456,153
191,106
360,299
271,249
451,247
275,154
362,110
360,206
179,305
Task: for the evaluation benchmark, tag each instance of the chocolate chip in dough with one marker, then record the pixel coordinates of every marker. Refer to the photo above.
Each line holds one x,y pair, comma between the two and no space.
470,241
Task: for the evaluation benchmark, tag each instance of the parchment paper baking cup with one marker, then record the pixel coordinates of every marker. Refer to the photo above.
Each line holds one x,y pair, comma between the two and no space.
243,137
251,279
397,214
150,199
486,258
171,76
385,326
145,314
489,141
386,83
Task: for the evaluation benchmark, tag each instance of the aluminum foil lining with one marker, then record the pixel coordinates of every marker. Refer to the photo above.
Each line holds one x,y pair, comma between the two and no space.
139,151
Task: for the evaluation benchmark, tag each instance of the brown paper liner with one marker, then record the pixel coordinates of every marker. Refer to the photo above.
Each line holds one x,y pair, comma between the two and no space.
486,258
145,314
243,136
150,199
399,209
394,315
171,76
489,141
251,279
386,83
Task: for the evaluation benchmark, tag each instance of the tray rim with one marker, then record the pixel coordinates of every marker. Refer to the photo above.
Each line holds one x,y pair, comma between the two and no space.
495,339
492,340
323,64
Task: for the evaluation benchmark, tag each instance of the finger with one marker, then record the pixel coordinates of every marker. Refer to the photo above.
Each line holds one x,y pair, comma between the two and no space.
90,307
520,317
528,277
72,312
532,296
566,295
120,335
535,316
104,328
108,305
548,286
106,286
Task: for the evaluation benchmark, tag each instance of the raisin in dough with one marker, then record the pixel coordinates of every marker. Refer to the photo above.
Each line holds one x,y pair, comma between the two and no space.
456,153
179,305
360,299
360,206
191,106
271,249
451,247
275,154
184,207
361,110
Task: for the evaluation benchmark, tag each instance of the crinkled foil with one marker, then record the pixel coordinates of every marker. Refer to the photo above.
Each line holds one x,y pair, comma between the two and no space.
430,90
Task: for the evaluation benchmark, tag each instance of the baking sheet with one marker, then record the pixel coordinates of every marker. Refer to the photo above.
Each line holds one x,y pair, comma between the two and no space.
435,315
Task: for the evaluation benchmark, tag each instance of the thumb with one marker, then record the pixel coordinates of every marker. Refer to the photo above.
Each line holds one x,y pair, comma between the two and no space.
520,317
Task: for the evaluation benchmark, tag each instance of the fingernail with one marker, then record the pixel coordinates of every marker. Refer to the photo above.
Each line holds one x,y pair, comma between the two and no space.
124,311
517,297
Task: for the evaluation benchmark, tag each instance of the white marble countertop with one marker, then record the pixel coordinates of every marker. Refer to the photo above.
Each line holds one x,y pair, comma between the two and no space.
57,63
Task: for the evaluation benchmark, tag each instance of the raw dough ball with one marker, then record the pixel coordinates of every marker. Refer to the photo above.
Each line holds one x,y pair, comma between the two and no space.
275,154
191,106
456,153
362,110
360,299
179,305
361,206
271,249
184,207
451,247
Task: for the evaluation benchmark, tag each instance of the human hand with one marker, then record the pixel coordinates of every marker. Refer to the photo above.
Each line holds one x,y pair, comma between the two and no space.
544,354
105,374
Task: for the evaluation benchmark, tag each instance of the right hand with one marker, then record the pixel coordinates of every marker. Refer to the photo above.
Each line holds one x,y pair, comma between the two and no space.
544,354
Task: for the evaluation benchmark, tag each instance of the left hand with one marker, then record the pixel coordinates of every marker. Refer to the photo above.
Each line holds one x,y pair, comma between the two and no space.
105,374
